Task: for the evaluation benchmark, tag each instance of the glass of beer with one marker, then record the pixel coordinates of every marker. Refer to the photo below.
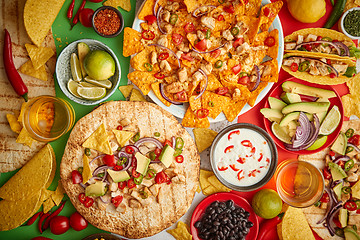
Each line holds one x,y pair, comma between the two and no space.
46,118
299,183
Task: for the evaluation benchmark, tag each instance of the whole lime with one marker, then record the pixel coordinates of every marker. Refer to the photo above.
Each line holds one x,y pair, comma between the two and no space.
267,203
99,65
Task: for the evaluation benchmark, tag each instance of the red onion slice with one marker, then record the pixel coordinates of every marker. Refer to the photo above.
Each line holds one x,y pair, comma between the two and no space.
206,83
302,131
162,92
319,61
329,224
341,158
158,19
173,142
148,140
195,50
320,41
306,98
316,129
128,162
100,169
344,47
328,208
100,156
354,146
168,49
154,9
257,78
83,185
194,13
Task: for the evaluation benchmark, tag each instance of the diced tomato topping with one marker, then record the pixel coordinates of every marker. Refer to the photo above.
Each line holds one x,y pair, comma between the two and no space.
294,67
244,80
159,75
109,160
261,157
328,61
222,168
189,28
318,39
88,202
187,57
82,197
131,183
228,149
337,222
308,47
148,35
216,53
179,159
238,42
181,96
232,166
202,113
332,75
332,153
325,198
167,142
326,173
355,139
222,90
150,19
119,127
163,56
158,151
122,185
221,17
241,160
201,45
350,205
246,143
270,41
117,200
268,13
76,177
134,173
177,38
229,9
129,150
245,2
341,164
233,132
236,69
118,168
161,177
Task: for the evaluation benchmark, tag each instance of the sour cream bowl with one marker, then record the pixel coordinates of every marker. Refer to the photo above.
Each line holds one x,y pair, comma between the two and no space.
243,157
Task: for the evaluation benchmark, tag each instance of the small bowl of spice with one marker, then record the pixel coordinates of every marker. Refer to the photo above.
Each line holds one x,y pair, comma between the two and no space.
349,23
107,22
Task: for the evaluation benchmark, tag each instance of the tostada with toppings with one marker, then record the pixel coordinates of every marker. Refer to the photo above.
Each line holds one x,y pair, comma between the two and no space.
130,168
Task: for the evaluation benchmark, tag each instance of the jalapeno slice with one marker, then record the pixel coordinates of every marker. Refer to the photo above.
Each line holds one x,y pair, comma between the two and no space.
211,104
148,67
179,143
80,170
138,180
207,34
218,64
173,18
349,149
349,133
87,152
157,134
346,190
152,156
143,194
151,173
101,175
349,164
177,152
122,161
235,31
304,66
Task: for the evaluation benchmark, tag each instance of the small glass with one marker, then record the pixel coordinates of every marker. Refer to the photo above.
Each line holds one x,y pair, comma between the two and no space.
46,118
299,183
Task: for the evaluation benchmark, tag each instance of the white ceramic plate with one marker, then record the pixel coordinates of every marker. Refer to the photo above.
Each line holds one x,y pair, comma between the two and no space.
179,110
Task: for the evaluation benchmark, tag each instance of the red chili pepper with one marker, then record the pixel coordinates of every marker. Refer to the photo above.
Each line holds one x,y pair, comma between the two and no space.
222,168
148,35
42,218
241,160
233,132
159,75
246,143
228,149
33,218
71,10
54,214
238,175
261,157
202,113
76,18
350,205
232,166
269,224
11,72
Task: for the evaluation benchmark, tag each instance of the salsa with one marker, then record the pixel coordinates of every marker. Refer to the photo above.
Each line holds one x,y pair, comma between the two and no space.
107,22
352,23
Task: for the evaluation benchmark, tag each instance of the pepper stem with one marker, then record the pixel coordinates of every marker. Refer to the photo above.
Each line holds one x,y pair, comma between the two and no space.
25,96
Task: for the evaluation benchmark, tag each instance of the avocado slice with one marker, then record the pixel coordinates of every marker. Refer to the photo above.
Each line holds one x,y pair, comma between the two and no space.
83,50
351,234
276,103
167,155
337,190
355,190
293,116
337,172
273,115
321,116
290,97
96,189
299,88
309,107
340,144
118,176
343,217
142,163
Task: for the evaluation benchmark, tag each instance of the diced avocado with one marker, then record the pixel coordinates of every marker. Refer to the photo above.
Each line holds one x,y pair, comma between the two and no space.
340,144
276,103
337,172
142,163
337,190
351,234
167,155
343,217
118,176
309,107
273,115
299,88
355,190
96,189
290,97
321,116
83,50
293,116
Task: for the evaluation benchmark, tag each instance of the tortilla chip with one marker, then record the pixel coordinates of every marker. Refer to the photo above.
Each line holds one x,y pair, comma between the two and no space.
45,194
58,195
256,92
143,57
353,86
294,219
181,232
254,25
48,205
148,7
136,96
203,178
13,122
203,138
132,42
191,120
86,174
28,69
213,83
252,7
274,8
274,74
233,109
124,4
37,170
126,90
156,89
142,80
194,104
123,136
99,141
217,184
25,138
214,103
273,50
350,104
210,190
53,169
38,55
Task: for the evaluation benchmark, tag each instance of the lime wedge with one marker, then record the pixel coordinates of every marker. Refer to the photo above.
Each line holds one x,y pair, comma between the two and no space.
101,83
331,121
318,143
91,93
83,50
75,68
72,87
86,84
340,144
280,133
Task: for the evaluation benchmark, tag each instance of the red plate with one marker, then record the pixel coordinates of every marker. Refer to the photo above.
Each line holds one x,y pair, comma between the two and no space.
222,197
333,101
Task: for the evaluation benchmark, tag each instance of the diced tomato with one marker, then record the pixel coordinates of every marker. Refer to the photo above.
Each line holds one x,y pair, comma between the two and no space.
201,45
118,168
76,177
168,143
232,166
82,197
202,113
222,168
337,222
133,162
129,150
148,35
233,132
318,39
134,173
327,173
350,205
244,80
119,127
221,17
246,143
332,153
122,185
236,69
228,149
222,90
229,9
159,75
179,159
177,38
161,177
150,19
341,164
332,75
238,42
216,53
158,151
328,61
181,96
131,183
355,139
268,13
294,67
117,200
270,41
308,47
187,57
325,198
189,28
245,2
88,202
163,56
109,160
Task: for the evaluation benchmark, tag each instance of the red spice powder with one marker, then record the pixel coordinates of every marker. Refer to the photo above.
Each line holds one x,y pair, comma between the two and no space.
107,22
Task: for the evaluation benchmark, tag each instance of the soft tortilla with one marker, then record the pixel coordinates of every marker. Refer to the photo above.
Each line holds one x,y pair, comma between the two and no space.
314,214
145,221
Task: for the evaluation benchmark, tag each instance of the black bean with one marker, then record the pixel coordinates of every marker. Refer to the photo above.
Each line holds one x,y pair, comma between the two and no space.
216,223
249,224
247,214
198,224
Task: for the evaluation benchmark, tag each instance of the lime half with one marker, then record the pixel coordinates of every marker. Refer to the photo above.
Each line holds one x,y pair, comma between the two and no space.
267,203
331,121
318,143
75,68
280,133
91,93
72,87
101,83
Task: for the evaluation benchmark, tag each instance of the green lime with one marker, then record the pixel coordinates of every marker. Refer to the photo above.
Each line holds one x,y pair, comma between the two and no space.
318,143
75,68
331,121
99,65
101,83
267,203
83,50
91,93
86,84
280,132
72,87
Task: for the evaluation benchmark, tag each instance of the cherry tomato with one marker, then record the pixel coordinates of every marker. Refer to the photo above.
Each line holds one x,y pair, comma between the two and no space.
244,80
118,168
268,12
189,28
294,67
201,45
308,47
341,164
326,173
76,177
355,139
220,17
325,198
179,159
119,127
332,153
85,17
161,177
131,183
148,35
159,75
270,41
202,113
59,225
122,185
332,75
109,160
167,142
82,197
158,151
236,69
238,42
163,56
96,1
117,200
350,205
134,173
88,202
181,96
150,19
129,150
222,90
187,57
216,53
177,38
229,9
78,222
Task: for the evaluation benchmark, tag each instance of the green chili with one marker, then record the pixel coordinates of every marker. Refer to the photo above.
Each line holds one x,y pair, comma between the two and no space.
235,31
179,143
357,203
221,1
211,104
148,67
177,152
136,137
173,18
304,66
317,204
242,74
138,180
143,194
218,64
150,174
326,39
349,164
346,190
349,149
349,133
207,34
157,134
80,170
152,156
87,152
122,161
302,49
329,69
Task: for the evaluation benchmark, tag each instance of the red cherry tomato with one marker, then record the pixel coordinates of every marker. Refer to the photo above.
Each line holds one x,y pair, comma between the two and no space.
59,225
157,151
325,198
216,53
355,140
326,173
117,200
76,177
150,19
131,183
161,177
350,205
189,28
201,45
294,67
177,38
268,12
187,57
122,185
181,96
332,75
88,202
179,159
244,80
109,160
222,90
270,41
82,198
238,42
85,17
129,150
119,127
308,47
341,164
96,1
202,113
78,222
236,69
229,9
134,173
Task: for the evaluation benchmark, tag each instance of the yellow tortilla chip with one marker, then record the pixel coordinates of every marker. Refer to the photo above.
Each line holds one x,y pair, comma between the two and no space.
142,80
148,7
13,122
25,138
254,24
136,96
233,109
350,104
214,103
217,184
203,179
126,90
213,83
99,141
274,74
28,69
39,55
132,42
294,219
203,138
181,232
58,195
273,50
191,120
124,4
48,205
252,7
53,169
156,89
195,104
210,190
86,174
123,136
30,179
267,19
256,92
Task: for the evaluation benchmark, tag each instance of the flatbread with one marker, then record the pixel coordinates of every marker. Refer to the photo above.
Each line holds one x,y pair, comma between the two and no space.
155,217
14,155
